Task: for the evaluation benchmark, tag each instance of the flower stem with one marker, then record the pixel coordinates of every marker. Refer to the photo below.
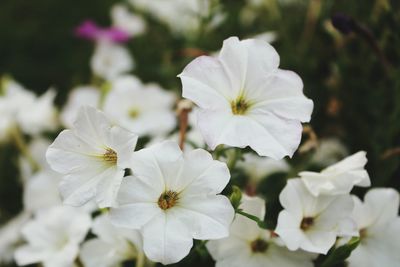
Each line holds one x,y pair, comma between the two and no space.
184,108
259,222
20,143
237,154
140,260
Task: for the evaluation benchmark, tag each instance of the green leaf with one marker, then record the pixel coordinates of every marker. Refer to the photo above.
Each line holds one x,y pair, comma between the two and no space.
340,254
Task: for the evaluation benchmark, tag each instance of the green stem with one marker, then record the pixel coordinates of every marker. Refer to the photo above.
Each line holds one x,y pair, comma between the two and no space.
20,143
237,154
259,222
140,260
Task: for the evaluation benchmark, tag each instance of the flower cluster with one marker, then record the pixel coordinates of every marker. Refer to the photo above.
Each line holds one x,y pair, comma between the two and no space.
131,179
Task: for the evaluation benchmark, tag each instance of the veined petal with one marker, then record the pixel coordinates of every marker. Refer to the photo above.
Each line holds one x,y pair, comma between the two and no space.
207,217
123,143
206,83
166,239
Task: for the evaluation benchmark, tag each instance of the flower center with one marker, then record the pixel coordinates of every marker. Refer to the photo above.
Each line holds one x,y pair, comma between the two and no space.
133,113
239,106
110,156
168,199
363,233
306,223
259,246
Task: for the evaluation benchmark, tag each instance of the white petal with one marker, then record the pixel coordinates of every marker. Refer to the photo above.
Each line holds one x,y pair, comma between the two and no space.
97,253
166,239
383,204
206,83
135,215
207,217
123,143
108,187
288,229
134,190
229,252
281,93
27,255
202,175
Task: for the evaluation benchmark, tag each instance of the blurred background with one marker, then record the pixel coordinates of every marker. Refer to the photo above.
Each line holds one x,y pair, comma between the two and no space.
350,68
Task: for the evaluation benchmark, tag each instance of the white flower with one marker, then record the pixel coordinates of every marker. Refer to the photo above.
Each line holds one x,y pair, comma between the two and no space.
249,245
37,150
338,178
329,151
41,191
268,37
10,237
245,100
313,223
110,60
53,237
112,245
143,109
257,168
39,114
182,16
379,224
92,157
123,19
20,107
172,199
79,97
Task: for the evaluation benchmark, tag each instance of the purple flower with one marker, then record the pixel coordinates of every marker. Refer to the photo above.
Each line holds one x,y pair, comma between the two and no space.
91,31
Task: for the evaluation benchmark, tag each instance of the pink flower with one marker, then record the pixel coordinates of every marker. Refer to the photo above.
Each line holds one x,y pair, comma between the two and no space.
91,31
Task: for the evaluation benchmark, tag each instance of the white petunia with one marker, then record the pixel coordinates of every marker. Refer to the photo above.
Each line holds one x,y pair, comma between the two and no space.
53,237
339,178
112,245
245,100
79,97
328,152
143,109
379,224
181,16
110,60
313,223
173,198
123,19
257,168
22,108
39,114
249,245
10,237
92,157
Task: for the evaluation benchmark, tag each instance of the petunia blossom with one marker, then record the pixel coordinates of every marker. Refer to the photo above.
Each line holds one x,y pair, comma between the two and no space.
251,246
338,178
246,100
173,198
112,245
53,237
92,157
313,223
143,109
378,221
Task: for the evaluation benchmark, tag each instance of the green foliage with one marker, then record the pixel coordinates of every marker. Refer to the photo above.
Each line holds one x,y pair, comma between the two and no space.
336,256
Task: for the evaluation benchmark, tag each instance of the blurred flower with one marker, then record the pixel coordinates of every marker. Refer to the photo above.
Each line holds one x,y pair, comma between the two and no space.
251,246
19,107
123,19
339,178
173,198
268,37
79,97
329,151
10,237
143,109
182,16
53,237
257,168
91,31
313,223
379,224
92,157
245,100
110,60
112,245
41,191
